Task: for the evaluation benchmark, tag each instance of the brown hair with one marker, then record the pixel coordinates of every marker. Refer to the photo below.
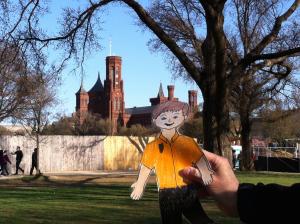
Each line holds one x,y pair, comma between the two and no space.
170,106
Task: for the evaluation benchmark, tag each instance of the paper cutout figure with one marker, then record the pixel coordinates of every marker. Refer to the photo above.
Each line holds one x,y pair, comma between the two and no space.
167,155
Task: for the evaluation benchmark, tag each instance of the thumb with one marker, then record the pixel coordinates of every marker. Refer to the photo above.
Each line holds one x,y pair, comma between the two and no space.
192,174
133,185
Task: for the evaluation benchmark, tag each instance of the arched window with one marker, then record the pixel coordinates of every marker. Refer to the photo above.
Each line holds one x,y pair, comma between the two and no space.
111,75
115,104
117,72
120,103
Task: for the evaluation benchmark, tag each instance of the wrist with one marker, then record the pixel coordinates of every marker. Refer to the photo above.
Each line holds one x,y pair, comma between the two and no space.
228,199
229,203
139,184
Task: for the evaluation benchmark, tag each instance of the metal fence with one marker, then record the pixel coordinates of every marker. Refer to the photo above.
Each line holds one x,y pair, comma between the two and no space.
280,159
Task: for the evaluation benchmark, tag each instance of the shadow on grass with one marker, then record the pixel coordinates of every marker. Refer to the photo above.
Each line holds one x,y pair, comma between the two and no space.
44,179
44,200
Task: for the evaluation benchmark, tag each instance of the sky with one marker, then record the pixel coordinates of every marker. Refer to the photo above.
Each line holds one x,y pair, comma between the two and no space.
142,70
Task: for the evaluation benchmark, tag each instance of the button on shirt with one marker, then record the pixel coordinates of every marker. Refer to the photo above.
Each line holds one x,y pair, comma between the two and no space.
169,157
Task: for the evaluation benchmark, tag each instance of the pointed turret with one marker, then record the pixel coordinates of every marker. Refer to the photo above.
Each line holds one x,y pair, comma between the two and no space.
82,99
98,86
160,91
81,89
160,97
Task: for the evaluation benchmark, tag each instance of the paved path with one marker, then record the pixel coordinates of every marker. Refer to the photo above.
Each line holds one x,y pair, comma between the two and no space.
11,177
79,173
93,173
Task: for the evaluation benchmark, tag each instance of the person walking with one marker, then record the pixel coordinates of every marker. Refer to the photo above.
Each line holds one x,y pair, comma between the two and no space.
234,158
5,161
1,161
19,157
34,162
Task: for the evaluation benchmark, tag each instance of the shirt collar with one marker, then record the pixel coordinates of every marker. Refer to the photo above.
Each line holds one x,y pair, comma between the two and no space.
173,139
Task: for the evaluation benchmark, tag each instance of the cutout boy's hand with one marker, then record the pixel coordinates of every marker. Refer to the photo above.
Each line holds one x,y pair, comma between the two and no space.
206,176
137,192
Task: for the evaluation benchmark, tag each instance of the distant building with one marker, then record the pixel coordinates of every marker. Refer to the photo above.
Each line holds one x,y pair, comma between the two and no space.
108,100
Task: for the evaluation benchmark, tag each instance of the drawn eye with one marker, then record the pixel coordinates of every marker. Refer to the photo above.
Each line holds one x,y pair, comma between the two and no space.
175,117
163,118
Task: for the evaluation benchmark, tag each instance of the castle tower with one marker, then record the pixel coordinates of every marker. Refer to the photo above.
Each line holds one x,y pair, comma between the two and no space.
193,100
170,92
96,97
82,101
160,97
114,93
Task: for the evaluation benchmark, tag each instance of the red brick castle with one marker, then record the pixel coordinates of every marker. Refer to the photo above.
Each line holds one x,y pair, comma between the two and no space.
108,100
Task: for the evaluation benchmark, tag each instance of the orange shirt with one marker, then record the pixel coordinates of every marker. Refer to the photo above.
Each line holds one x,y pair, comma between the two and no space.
168,158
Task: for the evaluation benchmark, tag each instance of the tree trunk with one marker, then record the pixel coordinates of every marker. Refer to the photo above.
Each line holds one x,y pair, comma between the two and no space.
214,84
222,115
38,153
215,123
247,161
209,134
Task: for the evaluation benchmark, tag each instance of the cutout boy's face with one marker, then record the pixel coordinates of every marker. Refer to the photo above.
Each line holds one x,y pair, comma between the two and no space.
169,119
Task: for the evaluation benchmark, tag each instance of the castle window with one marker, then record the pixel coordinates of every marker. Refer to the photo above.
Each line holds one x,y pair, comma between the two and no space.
112,72
117,72
120,104
115,104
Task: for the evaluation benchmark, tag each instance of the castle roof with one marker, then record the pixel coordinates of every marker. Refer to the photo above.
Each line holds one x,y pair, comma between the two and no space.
139,110
81,89
98,87
160,91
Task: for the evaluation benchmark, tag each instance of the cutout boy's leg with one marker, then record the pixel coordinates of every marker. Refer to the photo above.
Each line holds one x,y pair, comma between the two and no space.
193,209
195,214
170,209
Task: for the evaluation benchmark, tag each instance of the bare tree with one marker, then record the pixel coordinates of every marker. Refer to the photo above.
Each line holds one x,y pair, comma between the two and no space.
92,125
248,98
38,107
263,80
13,92
138,135
63,125
204,40
193,128
279,118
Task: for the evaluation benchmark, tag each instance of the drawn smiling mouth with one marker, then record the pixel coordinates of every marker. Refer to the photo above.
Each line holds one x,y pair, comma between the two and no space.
169,124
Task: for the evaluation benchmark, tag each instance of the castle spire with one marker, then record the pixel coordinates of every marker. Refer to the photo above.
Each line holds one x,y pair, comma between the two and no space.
98,86
160,91
81,82
110,46
81,89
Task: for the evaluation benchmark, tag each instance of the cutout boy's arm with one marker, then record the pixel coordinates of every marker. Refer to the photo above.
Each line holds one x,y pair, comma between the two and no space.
205,170
139,185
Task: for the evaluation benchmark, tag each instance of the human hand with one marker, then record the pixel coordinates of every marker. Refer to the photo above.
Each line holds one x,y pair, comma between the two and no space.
137,191
224,186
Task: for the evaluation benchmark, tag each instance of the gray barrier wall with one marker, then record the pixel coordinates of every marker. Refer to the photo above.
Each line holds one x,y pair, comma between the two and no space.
75,153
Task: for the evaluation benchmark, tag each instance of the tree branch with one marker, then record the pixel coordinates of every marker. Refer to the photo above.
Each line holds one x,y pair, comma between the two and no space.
294,51
165,38
276,28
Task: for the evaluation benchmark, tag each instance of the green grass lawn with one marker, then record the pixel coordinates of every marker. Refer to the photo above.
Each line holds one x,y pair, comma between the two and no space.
96,200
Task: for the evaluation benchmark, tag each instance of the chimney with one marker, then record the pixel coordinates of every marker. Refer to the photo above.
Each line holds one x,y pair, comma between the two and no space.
170,92
193,100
